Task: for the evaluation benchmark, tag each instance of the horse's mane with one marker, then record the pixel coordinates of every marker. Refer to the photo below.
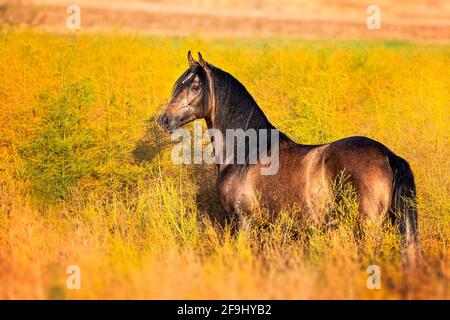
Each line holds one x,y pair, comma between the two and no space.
235,107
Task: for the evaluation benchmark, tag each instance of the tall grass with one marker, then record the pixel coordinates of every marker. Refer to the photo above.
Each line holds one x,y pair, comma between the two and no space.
86,178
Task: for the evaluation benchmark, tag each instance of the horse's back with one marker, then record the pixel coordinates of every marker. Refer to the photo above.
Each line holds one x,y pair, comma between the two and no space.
355,155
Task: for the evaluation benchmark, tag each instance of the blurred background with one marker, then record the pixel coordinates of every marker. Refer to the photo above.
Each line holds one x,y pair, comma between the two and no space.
416,20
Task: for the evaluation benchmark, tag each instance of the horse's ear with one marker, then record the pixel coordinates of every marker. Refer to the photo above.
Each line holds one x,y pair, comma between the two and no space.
202,62
191,60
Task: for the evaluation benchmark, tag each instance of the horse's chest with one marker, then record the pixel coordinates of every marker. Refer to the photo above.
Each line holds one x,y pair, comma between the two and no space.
237,193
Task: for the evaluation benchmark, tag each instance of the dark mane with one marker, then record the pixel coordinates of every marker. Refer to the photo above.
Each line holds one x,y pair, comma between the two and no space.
235,107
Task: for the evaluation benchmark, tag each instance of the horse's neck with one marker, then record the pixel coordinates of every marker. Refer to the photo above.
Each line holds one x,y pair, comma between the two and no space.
235,109
253,118
260,123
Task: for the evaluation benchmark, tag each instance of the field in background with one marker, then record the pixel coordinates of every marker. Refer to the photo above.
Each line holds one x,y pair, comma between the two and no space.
417,20
86,178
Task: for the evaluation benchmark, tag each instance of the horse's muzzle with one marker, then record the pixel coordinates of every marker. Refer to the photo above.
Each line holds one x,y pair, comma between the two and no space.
165,123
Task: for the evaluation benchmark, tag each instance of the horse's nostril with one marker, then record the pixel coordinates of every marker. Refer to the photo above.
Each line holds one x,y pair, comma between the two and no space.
165,120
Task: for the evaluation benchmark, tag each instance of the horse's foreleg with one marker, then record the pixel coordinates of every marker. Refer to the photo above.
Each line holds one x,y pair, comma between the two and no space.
243,218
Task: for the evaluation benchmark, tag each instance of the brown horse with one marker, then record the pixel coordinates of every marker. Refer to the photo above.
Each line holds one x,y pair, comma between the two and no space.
383,181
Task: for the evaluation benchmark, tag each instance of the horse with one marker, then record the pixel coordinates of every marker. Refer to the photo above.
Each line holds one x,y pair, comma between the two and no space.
383,181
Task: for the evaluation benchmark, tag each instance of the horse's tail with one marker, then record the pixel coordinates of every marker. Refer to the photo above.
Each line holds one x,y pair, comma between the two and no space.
404,202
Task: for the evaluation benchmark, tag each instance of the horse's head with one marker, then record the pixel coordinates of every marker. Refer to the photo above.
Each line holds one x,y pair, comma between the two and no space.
189,96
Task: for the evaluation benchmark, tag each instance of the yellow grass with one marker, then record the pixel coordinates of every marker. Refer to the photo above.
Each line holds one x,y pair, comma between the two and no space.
86,180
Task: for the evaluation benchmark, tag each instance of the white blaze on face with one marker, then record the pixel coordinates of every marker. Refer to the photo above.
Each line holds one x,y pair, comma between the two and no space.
187,78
